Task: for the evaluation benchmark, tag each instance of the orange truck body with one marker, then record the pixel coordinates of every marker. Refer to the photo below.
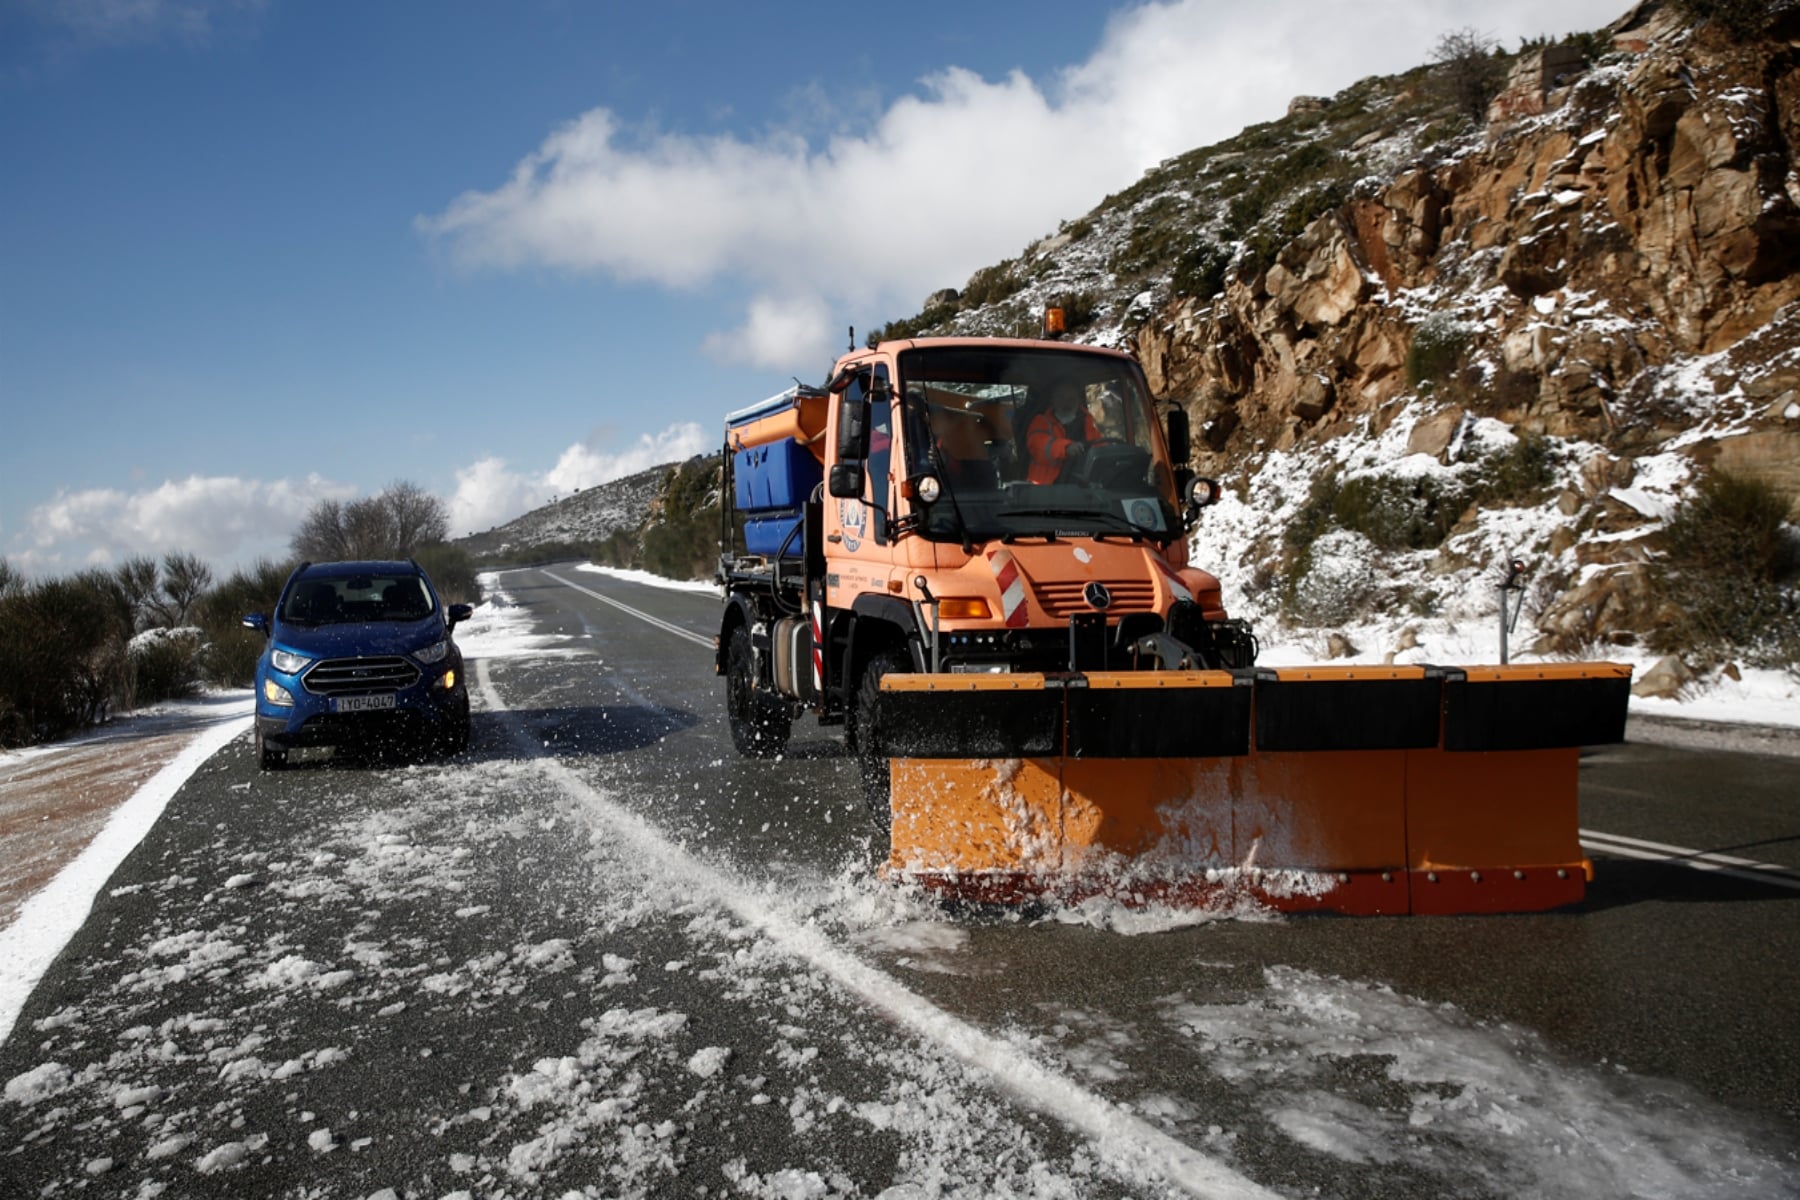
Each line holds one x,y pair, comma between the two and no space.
1047,701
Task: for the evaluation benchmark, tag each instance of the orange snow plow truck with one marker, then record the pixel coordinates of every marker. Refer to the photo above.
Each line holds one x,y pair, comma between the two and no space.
971,553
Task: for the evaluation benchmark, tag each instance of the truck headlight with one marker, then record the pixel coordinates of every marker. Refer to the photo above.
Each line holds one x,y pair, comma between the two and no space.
288,664
433,653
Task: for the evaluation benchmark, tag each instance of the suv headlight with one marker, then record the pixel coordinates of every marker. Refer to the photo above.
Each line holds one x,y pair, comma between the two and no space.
433,653
288,664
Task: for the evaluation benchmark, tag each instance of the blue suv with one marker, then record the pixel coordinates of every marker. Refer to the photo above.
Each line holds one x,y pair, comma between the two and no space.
359,652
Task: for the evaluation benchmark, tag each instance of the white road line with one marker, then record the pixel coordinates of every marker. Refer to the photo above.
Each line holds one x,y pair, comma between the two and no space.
1140,1149
678,631
1699,860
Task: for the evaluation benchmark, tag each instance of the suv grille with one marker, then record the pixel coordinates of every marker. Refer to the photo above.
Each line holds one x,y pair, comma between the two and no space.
1062,600
349,676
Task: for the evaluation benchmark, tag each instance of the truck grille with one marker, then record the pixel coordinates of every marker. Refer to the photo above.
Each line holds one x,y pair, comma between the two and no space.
1063,600
351,676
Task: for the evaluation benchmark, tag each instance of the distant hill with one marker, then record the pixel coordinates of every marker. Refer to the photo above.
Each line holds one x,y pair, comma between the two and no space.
591,515
664,519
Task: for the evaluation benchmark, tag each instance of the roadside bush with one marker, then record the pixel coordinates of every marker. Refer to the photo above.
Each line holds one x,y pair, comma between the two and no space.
166,664
1728,568
682,540
1331,580
63,664
230,654
1393,512
452,570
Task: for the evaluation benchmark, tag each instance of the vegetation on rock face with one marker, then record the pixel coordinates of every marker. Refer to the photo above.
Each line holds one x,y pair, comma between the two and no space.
682,539
1470,71
1743,19
1728,570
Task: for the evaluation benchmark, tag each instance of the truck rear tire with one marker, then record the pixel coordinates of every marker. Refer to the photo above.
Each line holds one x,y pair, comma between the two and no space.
760,723
871,754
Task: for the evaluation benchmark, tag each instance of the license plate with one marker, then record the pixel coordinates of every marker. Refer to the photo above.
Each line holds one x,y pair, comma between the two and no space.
345,704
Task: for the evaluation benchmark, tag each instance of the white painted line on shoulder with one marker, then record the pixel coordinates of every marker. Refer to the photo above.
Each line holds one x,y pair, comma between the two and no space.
1126,1141
678,631
1683,856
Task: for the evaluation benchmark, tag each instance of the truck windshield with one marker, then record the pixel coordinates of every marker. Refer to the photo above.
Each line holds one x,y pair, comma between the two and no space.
1034,442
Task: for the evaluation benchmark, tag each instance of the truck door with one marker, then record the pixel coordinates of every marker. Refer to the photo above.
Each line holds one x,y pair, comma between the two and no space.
857,543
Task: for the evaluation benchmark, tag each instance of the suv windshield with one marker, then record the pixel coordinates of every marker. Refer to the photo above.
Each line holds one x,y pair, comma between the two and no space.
1033,442
350,598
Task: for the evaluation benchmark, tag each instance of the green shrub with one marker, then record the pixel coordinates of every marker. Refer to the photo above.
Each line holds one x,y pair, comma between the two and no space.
1438,347
229,657
991,285
1200,271
1728,570
682,539
1742,19
166,664
63,660
1519,474
1080,309
452,571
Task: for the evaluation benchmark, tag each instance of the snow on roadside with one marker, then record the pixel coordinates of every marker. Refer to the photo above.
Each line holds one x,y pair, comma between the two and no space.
630,575
501,627
50,918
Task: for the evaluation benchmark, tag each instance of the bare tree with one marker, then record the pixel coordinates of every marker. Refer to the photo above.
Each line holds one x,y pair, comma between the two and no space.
368,531
185,579
393,524
320,537
9,577
1469,72
137,578
418,517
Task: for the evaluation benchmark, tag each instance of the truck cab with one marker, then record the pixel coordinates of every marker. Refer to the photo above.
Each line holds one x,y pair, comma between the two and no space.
956,505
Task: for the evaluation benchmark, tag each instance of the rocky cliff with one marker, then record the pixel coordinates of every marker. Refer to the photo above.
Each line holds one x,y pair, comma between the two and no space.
1423,349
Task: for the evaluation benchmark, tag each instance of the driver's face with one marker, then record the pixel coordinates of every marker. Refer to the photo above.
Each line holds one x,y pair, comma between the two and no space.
1065,403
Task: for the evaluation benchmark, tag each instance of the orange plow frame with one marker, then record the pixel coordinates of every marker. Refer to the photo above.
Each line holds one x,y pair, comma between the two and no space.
1350,789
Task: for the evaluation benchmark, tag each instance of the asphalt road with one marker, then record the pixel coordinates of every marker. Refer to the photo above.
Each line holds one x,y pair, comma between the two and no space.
601,955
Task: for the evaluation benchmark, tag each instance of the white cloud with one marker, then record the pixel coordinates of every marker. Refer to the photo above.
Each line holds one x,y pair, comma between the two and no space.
122,22
222,518
489,493
958,174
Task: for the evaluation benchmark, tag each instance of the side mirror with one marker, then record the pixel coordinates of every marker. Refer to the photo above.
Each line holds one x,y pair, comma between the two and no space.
257,621
458,613
1181,442
853,429
846,481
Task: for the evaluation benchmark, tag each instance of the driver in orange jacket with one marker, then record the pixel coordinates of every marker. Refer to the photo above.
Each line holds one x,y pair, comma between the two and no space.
1060,435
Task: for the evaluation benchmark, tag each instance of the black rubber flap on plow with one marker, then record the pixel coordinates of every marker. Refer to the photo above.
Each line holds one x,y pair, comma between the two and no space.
1149,722
1348,714
1534,714
974,724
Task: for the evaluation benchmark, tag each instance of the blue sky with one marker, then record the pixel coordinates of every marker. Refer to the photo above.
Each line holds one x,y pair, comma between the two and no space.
255,253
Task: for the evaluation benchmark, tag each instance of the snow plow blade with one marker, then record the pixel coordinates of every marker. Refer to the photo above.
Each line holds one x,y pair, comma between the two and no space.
1367,790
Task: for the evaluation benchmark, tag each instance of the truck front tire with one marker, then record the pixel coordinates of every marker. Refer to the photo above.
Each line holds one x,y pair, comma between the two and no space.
760,722
871,753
